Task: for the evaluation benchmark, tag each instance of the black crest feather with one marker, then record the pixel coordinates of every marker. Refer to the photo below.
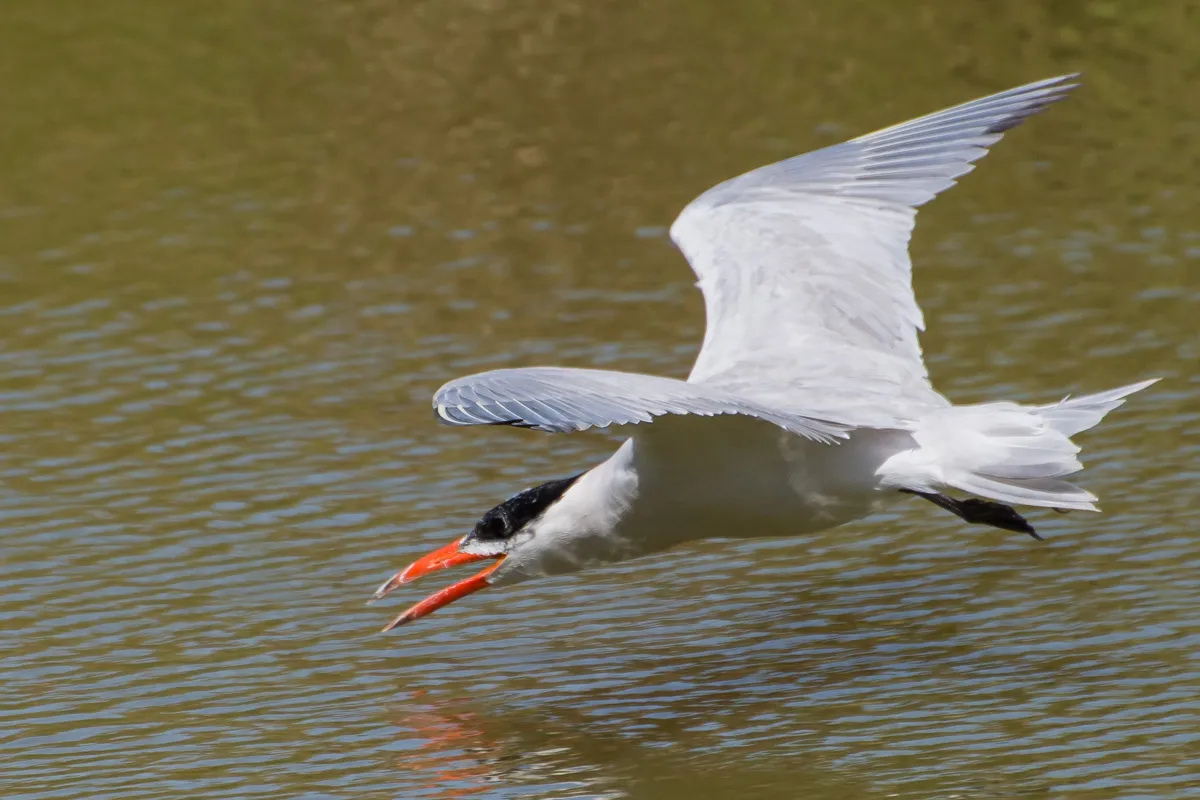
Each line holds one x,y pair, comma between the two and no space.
517,511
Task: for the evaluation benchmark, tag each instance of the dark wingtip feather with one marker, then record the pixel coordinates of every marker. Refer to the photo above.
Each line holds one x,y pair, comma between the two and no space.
1050,90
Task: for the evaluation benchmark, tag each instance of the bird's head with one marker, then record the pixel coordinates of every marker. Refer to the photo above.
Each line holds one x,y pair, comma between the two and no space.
499,535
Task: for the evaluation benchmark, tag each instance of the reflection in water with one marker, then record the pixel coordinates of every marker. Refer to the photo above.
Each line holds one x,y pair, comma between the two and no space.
554,754
450,744
240,247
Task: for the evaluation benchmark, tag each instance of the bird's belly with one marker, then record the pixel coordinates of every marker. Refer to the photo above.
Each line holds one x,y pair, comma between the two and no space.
705,511
738,477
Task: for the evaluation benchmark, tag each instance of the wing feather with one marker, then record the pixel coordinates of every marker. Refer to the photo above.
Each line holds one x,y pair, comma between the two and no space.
805,269
562,400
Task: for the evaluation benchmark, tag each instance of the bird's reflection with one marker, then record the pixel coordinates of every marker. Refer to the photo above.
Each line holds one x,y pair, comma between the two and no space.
448,755
475,750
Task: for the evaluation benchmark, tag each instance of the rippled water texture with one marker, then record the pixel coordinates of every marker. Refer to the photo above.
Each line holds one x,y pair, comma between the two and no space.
242,242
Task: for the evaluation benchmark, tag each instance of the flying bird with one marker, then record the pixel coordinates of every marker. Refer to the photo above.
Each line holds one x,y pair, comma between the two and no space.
808,406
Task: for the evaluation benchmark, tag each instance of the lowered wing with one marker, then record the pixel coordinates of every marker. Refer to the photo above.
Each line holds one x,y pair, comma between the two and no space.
561,400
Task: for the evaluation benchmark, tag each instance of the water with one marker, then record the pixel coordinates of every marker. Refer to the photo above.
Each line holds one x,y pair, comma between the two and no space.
241,245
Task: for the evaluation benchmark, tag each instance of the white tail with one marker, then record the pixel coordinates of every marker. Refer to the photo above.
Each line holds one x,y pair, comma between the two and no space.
1005,451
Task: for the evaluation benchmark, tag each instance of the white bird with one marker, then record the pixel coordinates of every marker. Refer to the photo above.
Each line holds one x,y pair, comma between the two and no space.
808,406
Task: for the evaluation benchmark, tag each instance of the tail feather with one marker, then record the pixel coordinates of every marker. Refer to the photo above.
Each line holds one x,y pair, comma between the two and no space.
1073,415
1051,492
1005,451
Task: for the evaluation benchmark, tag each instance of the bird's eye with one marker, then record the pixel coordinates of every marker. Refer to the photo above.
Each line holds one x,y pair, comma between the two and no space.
492,527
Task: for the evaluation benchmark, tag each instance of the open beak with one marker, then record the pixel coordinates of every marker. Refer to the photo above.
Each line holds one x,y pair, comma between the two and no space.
442,558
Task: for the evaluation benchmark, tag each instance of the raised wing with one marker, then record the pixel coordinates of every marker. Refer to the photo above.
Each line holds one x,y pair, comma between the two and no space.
805,269
562,400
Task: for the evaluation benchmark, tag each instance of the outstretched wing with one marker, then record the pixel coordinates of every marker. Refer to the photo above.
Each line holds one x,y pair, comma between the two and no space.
562,400
805,269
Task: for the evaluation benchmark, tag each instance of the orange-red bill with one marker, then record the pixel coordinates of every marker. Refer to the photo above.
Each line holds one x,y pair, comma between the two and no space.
444,597
442,558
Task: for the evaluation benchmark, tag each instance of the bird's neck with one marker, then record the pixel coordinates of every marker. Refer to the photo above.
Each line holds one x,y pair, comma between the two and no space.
586,527
600,502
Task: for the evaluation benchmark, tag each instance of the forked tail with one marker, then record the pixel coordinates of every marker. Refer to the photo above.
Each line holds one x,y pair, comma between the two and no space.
1005,451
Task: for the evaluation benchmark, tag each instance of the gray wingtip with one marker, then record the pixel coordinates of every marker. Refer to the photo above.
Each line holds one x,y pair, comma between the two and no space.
459,417
1040,95
445,416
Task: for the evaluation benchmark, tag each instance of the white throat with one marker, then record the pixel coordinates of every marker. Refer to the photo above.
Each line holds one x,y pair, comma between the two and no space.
584,528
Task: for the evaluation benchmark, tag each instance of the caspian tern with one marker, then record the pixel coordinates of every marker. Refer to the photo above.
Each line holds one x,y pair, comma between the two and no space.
808,406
